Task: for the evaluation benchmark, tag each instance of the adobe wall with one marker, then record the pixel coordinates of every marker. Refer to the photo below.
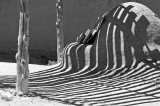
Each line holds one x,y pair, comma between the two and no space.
79,15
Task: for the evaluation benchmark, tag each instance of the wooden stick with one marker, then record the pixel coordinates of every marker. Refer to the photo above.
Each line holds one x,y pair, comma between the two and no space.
59,25
22,55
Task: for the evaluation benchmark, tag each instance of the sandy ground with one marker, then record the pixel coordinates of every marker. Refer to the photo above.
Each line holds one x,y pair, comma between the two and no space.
10,69
31,101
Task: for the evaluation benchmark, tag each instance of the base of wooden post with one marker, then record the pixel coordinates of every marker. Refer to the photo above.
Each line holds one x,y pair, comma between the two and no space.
22,86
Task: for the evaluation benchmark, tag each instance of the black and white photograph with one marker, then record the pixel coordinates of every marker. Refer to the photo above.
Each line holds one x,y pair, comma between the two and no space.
79,52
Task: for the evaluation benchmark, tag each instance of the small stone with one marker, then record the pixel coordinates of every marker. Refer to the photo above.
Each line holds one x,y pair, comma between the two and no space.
20,94
12,91
6,96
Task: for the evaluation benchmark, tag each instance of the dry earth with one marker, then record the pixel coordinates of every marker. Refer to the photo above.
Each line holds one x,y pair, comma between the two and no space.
31,101
10,69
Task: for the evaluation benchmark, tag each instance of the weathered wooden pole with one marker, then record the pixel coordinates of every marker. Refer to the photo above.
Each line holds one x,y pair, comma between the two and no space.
59,25
22,55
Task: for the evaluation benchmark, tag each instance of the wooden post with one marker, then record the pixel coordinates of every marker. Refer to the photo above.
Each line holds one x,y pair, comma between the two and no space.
22,55
59,25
